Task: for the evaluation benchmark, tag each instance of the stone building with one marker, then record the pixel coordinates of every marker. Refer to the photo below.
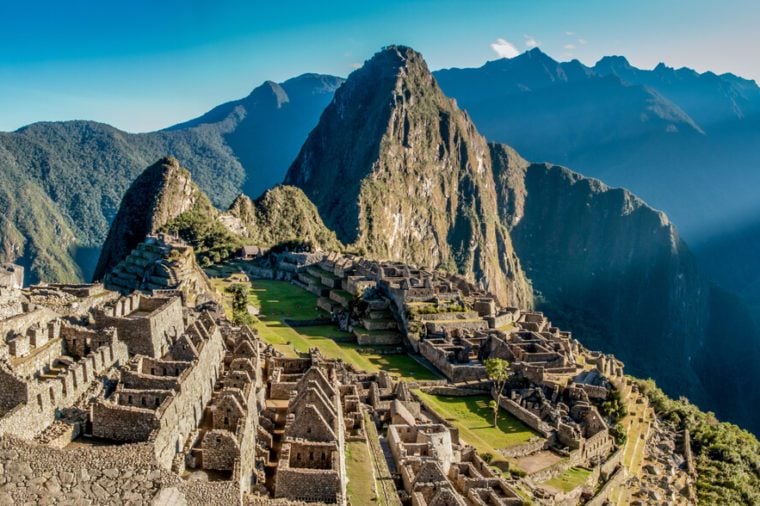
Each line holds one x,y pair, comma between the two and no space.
311,466
225,440
435,467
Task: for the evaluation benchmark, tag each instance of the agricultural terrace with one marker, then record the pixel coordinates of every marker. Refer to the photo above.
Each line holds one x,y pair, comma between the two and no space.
282,306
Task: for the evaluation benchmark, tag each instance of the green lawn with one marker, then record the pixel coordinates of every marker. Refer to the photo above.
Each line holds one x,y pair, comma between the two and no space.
474,418
280,300
361,483
570,479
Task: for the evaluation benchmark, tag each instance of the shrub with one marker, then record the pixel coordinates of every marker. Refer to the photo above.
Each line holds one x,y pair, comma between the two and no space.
727,457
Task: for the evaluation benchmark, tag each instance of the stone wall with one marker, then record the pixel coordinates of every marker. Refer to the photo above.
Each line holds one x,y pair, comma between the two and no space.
616,480
125,474
149,328
525,416
46,397
182,414
39,359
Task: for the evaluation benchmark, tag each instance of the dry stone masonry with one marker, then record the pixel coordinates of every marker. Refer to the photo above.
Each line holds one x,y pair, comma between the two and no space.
147,393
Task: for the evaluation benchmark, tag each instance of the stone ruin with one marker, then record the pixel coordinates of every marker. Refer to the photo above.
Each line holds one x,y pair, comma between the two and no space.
313,407
164,384
434,466
201,410
161,263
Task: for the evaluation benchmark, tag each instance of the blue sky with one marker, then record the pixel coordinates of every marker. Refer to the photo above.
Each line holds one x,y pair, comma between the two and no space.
144,65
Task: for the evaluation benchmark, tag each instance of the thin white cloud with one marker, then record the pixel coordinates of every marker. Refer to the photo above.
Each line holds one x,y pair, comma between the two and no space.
569,47
504,48
531,42
582,41
356,65
569,34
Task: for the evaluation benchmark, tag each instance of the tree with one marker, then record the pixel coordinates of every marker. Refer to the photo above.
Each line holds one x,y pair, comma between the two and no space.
498,372
240,314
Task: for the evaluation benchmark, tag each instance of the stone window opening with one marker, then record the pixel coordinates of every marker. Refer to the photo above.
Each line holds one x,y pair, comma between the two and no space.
226,421
129,399
157,402
142,401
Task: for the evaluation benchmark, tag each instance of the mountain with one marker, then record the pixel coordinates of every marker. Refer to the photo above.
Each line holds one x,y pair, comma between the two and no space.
691,142
61,183
615,271
413,176
159,195
266,129
709,98
419,184
283,214
164,199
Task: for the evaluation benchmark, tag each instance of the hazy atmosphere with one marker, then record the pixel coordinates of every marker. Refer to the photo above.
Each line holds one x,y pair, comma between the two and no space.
121,62
391,253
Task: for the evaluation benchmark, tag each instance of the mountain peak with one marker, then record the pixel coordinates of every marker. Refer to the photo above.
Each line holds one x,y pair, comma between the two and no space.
416,184
614,61
160,193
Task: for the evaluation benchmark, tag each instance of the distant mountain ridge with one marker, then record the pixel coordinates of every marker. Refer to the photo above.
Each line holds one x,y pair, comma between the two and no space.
72,175
679,130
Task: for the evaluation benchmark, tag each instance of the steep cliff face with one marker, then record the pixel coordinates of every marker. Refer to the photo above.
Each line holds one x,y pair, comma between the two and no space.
615,271
163,192
396,169
281,215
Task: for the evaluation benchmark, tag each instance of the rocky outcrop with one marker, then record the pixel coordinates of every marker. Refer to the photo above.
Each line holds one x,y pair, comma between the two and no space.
396,169
164,199
160,194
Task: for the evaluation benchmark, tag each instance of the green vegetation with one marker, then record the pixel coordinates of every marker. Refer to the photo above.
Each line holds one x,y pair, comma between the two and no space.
727,457
619,434
472,416
423,308
498,372
211,241
240,314
361,484
284,216
570,479
68,178
279,301
614,406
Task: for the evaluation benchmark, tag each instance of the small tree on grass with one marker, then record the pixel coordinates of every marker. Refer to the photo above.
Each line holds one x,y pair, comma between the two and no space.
498,372
240,314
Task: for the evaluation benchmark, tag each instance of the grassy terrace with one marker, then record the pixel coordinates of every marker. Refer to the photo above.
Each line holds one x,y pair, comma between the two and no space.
569,480
361,482
280,300
474,418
